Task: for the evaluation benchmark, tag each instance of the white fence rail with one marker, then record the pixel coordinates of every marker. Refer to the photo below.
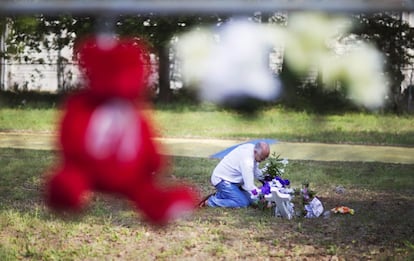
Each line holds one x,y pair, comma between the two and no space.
41,77
44,77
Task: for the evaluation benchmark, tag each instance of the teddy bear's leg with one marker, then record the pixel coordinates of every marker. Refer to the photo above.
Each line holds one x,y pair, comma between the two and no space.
162,205
67,189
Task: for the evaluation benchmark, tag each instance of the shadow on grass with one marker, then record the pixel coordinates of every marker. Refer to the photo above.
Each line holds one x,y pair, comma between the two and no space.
30,99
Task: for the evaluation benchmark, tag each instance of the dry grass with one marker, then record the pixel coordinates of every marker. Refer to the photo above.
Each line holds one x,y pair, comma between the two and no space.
110,229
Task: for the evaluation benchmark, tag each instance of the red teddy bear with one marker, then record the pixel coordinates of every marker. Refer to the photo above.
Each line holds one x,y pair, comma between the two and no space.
106,141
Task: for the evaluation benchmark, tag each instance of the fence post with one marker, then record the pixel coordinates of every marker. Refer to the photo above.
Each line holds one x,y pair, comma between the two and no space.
3,49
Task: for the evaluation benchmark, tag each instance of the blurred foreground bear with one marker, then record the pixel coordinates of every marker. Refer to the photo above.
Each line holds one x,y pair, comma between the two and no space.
106,141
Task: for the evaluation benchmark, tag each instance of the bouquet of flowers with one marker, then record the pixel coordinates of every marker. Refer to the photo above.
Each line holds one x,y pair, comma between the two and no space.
303,199
273,170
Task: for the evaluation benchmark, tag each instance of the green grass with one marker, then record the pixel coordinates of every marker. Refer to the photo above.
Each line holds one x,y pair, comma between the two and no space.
288,126
381,194
206,121
381,229
28,119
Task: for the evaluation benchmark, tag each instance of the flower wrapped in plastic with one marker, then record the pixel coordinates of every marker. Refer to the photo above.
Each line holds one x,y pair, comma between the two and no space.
275,187
272,174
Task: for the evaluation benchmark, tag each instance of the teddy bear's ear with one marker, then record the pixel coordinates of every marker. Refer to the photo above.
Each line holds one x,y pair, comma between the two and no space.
114,67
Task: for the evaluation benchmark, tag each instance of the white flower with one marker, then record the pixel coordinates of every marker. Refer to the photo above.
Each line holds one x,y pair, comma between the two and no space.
277,184
285,162
361,71
367,83
232,62
308,36
236,65
193,49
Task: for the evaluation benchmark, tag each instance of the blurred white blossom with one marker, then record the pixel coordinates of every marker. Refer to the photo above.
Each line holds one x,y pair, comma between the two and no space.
233,61
361,71
194,49
307,39
234,66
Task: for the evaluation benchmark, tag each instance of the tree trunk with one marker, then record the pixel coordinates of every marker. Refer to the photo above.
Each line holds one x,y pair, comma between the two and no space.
165,92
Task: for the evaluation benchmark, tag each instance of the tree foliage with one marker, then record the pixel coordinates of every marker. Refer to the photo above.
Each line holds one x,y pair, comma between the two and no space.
395,38
159,31
56,32
392,35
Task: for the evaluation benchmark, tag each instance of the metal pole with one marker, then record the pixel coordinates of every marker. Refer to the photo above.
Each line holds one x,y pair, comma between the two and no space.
166,7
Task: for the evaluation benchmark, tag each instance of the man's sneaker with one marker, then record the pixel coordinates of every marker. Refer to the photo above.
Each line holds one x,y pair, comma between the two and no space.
203,202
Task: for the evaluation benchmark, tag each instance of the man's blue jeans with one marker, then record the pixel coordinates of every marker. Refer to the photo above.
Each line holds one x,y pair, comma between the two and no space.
229,195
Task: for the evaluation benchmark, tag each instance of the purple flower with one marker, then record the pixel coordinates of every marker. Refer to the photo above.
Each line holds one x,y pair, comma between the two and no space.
284,182
265,189
305,193
279,179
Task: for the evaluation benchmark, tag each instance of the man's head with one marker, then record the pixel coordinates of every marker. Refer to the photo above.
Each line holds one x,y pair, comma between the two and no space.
261,151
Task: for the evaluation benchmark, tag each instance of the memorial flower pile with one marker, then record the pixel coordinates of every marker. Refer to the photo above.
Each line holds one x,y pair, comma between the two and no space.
302,201
273,171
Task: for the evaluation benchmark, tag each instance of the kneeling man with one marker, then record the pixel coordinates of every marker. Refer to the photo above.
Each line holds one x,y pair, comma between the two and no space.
234,176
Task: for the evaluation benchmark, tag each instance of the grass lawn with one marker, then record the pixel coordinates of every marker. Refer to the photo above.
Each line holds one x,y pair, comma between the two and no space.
382,195
381,228
288,125
206,121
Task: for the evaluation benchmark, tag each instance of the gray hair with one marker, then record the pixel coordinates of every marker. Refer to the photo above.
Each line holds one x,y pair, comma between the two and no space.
258,147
